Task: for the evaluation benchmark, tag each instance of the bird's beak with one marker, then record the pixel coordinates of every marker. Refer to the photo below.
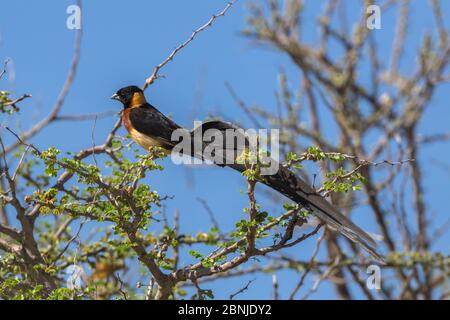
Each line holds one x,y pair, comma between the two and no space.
115,96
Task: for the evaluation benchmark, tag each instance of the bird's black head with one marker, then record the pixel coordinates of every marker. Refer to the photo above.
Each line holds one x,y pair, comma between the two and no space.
130,96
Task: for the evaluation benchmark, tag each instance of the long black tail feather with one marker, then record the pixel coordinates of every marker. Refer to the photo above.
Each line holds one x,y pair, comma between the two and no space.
290,185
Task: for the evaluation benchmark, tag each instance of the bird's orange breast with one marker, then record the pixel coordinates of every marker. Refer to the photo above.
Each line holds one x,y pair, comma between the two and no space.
143,140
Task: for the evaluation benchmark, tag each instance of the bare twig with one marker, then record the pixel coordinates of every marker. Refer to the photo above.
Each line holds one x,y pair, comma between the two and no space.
14,103
155,74
77,234
211,215
245,288
242,105
59,101
5,64
82,117
308,268
121,285
276,295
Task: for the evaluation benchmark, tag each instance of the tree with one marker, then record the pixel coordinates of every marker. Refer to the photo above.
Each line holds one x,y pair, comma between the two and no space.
107,183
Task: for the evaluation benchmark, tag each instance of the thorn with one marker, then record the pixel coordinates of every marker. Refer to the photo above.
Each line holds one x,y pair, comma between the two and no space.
314,181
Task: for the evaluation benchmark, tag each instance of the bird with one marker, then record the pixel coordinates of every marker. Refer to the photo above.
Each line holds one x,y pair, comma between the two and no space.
149,128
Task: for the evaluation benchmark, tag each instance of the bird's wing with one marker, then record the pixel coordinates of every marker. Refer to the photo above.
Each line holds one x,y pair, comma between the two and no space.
233,141
149,121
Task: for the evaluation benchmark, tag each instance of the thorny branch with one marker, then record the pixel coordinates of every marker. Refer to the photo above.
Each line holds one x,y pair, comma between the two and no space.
53,115
155,73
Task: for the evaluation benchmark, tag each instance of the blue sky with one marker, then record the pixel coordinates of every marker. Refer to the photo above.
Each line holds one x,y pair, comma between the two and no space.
124,40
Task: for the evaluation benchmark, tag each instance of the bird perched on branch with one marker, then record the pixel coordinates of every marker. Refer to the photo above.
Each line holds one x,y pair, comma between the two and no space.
149,128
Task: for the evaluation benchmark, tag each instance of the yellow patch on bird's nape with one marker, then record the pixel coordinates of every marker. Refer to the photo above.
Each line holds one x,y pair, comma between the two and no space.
137,100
